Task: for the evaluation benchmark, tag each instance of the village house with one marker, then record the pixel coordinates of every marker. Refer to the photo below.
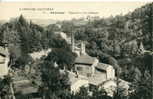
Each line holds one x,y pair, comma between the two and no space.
4,60
92,71
89,72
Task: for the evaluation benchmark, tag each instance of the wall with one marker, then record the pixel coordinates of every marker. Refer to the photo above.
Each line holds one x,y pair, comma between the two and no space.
80,83
84,69
3,65
110,72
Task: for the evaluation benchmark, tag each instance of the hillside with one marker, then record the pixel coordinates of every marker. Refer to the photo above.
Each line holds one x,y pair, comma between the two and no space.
135,25
119,41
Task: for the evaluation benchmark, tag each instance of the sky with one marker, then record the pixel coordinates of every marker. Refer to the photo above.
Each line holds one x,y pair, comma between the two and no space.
65,10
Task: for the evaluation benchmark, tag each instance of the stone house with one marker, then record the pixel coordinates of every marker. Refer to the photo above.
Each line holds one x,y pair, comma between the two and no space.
97,74
76,82
89,72
4,60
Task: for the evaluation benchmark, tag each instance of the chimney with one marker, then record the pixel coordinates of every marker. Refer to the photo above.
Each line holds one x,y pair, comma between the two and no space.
72,41
83,49
96,61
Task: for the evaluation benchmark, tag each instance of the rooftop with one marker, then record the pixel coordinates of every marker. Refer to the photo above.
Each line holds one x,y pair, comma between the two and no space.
3,51
102,66
85,59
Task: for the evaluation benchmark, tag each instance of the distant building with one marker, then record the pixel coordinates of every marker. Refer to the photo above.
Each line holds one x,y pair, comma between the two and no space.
89,72
4,60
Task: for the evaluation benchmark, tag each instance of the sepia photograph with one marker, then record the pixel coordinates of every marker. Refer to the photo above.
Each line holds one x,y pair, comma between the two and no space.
76,50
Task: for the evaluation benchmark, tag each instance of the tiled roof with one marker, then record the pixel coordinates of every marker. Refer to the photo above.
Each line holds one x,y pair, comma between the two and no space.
85,59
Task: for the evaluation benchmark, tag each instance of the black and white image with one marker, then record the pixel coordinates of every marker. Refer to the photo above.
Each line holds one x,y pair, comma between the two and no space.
76,50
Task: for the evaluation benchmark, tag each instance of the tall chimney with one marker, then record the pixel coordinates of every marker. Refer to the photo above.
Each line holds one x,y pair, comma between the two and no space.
72,41
96,61
83,49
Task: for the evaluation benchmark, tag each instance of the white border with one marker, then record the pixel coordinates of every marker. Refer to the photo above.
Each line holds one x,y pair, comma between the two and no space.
76,0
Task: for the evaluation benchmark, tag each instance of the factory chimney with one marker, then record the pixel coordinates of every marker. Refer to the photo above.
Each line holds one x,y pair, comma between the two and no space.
72,41
83,49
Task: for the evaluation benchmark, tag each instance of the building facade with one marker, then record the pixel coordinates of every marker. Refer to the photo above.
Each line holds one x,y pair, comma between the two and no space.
4,60
89,71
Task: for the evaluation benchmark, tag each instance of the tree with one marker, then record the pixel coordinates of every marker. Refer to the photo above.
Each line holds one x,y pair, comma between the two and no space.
6,88
80,34
62,57
67,27
61,53
21,61
53,28
142,89
82,94
53,80
100,94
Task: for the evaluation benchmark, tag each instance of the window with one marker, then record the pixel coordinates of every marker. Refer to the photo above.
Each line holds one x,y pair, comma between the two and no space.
89,74
79,68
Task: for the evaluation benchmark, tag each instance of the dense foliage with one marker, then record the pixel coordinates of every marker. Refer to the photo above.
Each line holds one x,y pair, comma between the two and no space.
117,41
